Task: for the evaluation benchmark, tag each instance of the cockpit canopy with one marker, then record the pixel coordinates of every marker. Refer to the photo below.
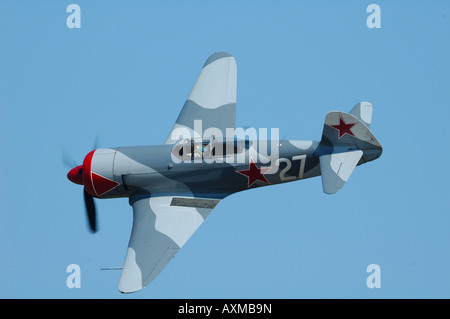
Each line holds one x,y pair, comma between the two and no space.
197,148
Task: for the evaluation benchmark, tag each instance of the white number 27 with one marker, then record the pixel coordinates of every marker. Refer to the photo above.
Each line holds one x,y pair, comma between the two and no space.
301,158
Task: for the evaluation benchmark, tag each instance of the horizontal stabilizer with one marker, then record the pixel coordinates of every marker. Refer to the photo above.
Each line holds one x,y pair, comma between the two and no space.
336,168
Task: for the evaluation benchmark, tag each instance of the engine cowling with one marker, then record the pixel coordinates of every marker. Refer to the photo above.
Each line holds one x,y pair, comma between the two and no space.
97,174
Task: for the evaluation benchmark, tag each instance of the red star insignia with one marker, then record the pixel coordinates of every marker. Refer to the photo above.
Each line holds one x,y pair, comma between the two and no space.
344,128
254,173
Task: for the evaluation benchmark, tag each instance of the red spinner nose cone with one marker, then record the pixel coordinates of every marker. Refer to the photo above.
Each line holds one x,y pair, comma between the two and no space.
87,181
75,175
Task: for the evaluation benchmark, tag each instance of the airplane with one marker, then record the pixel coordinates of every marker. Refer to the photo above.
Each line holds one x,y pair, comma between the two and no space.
173,187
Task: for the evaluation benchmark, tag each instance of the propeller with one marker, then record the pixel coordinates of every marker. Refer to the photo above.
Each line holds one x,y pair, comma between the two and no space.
67,159
75,175
90,210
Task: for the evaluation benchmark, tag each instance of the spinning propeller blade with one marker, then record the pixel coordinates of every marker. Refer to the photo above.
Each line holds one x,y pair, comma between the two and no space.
90,210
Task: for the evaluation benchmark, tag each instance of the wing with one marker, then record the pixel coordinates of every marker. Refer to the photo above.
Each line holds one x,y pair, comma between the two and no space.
212,101
161,226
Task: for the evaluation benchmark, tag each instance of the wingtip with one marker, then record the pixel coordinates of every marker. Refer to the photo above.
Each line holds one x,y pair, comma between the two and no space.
127,292
127,287
216,56
131,276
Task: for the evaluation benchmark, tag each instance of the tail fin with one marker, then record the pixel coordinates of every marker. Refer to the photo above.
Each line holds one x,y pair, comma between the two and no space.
363,111
346,142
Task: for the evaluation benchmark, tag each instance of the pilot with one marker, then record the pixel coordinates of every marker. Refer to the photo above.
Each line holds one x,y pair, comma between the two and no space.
198,150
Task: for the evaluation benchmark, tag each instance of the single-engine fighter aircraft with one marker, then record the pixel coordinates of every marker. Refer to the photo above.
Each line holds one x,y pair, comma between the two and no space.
173,187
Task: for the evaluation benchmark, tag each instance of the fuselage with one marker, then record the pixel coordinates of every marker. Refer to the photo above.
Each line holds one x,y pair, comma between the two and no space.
205,172
160,169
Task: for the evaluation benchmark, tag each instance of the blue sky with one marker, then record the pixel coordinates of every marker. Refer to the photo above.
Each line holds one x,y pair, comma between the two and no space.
122,79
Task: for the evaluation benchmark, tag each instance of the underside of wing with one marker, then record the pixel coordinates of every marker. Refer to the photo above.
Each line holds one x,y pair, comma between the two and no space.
161,226
211,106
